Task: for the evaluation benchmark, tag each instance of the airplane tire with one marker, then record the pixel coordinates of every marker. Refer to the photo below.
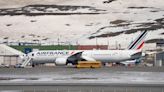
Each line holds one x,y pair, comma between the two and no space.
33,65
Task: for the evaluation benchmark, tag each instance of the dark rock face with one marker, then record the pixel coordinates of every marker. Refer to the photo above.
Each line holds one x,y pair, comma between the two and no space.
37,10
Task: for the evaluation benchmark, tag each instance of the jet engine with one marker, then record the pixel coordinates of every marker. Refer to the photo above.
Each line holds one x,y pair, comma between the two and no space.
61,61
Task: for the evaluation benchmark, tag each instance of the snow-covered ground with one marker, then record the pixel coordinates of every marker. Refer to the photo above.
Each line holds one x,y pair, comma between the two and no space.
117,16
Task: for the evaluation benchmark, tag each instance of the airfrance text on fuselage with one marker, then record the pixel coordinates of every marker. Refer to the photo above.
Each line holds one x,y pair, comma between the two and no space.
51,53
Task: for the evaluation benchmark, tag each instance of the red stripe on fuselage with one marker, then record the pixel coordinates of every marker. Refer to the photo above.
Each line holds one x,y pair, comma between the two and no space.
141,45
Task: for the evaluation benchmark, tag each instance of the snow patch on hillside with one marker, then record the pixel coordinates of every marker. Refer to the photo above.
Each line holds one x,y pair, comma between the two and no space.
133,14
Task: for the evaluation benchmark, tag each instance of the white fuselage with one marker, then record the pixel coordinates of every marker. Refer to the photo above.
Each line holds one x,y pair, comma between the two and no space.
110,55
50,56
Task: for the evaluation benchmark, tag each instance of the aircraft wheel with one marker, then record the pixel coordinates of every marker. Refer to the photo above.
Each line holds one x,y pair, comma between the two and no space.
33,65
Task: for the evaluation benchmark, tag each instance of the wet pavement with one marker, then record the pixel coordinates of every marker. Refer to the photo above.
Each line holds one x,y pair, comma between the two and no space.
71,78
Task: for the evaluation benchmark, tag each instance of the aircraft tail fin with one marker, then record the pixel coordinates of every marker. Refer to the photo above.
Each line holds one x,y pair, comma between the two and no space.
138,42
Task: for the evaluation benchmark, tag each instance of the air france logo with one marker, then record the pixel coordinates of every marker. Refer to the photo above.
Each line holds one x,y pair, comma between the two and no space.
72,52
48,53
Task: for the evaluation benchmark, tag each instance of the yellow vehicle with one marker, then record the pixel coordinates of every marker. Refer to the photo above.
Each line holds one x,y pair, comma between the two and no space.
88,64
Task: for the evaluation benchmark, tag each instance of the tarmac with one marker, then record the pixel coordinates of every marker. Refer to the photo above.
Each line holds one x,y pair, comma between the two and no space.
70,79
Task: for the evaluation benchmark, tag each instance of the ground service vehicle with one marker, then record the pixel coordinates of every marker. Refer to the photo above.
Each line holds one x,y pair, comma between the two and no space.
88,64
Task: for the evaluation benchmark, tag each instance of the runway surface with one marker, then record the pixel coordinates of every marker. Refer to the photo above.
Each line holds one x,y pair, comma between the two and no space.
69,79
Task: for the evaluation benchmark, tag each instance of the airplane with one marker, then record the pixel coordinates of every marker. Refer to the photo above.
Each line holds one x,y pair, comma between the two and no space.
64,57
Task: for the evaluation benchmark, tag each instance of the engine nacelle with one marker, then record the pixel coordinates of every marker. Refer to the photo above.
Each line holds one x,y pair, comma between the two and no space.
61,61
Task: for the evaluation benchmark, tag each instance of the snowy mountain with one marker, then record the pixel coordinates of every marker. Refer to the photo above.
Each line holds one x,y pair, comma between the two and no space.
81,21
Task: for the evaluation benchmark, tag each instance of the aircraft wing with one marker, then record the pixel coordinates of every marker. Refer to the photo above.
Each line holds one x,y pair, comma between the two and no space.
74,58
136,55
78,56
87,58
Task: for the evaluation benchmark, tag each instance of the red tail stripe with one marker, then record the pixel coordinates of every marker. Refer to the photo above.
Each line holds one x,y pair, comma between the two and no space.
141,45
